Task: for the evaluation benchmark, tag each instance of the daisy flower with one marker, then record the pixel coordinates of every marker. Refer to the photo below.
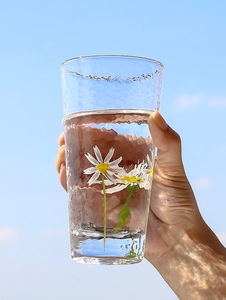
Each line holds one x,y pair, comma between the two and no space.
139,176
105,169
103,166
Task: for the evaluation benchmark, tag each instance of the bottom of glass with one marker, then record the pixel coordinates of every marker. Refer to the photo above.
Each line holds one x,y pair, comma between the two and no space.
121,248
106,260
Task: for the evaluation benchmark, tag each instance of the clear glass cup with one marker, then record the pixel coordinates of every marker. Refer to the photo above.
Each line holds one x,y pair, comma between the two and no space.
109,154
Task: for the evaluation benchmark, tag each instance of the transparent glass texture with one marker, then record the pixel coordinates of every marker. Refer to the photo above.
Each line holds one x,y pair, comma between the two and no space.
111,82
109,154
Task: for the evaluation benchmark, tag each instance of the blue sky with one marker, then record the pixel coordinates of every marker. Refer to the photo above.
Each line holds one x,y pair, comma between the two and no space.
189,38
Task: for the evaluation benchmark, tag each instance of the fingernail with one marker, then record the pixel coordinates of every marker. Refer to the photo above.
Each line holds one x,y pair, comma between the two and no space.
161,123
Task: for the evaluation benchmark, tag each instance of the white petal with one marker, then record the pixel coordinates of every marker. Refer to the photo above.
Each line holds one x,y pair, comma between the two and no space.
109,155
115,162
110,173
149,160
109,177
115,169
98,154
146,185
94,178
107,182
116,188
91,159
90,170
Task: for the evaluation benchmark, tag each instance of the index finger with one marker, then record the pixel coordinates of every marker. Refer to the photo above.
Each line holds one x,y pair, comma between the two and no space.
61,140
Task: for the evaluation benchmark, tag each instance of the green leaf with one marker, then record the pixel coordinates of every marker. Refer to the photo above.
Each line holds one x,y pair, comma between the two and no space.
124,214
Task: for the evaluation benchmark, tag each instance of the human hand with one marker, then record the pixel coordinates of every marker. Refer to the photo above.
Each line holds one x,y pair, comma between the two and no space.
173,208
180,244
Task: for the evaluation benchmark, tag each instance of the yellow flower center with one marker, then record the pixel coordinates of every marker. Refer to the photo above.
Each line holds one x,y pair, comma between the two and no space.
131,179
103,168
152,172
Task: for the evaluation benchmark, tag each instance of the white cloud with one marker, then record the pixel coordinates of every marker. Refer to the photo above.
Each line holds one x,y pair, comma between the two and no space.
202,183
7,235
218,102
186,101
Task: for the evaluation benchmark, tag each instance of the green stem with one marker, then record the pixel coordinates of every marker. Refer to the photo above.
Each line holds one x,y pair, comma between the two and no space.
105,210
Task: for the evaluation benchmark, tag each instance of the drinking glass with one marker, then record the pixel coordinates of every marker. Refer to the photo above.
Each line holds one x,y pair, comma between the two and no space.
109,154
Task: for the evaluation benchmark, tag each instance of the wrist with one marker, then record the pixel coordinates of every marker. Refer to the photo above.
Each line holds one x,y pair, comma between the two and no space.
195,268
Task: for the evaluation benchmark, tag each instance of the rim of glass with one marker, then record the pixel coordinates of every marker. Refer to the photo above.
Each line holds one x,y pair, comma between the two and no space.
112,55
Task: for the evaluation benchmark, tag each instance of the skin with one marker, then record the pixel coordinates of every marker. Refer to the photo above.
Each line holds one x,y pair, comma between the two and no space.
179,244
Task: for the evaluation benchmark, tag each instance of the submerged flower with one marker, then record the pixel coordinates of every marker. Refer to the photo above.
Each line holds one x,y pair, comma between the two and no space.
103,166
139,176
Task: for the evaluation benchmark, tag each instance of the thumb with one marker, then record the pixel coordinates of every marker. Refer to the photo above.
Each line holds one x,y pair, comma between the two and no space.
167,141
